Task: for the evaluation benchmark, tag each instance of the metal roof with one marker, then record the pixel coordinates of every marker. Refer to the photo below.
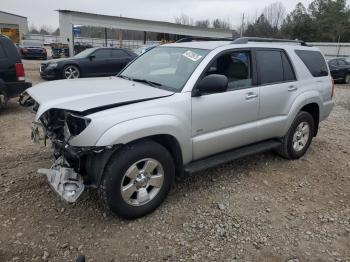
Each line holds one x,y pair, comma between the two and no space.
77,17
13,14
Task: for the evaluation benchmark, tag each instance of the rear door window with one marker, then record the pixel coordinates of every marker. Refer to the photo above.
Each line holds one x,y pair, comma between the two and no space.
314,61
270,66
119,53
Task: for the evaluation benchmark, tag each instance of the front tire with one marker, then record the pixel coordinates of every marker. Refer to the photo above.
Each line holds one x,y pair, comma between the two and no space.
71,72
298,138
137,179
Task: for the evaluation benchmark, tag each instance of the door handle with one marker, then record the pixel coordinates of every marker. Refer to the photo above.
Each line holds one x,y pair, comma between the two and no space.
251,95
292,88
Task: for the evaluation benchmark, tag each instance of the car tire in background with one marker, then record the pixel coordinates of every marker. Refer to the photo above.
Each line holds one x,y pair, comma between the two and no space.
137,179
347,79
298,138
71,72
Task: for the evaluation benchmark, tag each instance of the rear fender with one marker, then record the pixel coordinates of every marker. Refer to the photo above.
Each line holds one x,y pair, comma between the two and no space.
304,99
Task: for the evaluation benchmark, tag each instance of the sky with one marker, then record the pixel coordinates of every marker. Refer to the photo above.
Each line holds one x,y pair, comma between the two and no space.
41,12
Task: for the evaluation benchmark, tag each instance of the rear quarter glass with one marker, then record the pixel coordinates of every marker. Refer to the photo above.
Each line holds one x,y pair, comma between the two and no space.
314,62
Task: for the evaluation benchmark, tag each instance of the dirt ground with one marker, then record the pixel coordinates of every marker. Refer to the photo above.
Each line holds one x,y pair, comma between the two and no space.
260,208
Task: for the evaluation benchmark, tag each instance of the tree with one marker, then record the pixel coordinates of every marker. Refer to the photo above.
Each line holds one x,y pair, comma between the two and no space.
260,28
220,24
275,14
300,25
184,19
333,18
33,29
203,23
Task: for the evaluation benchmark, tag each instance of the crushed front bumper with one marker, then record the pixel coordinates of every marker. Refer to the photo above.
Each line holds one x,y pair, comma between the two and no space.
64,180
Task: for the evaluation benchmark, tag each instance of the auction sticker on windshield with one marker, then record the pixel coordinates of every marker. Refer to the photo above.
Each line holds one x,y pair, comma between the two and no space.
192,56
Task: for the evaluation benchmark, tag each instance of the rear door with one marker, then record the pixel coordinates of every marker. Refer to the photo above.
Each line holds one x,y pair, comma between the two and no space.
278,90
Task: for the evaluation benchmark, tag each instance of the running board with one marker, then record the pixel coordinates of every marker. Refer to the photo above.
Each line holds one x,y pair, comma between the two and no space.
228,156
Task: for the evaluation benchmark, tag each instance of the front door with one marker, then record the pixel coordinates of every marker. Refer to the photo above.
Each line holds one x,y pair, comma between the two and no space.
99,63
223,121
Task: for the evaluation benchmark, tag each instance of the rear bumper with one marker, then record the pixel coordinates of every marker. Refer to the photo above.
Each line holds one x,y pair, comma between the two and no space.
34,55
14,89
326,110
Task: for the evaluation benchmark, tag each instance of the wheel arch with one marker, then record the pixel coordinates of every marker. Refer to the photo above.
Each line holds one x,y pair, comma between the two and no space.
70,64
314,110
309,102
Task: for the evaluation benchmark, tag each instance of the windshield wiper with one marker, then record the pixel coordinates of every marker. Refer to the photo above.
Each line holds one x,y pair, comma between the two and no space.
124,77
151,83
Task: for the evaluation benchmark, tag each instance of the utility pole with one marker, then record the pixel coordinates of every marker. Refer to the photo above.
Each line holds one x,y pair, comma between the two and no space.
242,25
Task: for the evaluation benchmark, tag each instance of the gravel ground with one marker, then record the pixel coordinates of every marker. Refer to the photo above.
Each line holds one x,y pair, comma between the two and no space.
260,208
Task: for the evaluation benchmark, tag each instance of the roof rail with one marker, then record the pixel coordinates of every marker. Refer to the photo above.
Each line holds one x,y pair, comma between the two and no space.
198,39
245,40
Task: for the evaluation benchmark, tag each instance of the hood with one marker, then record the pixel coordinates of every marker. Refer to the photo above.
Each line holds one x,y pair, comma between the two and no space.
91,94
58,60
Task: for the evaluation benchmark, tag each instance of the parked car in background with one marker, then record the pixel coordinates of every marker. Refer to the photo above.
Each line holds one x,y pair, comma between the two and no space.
144,49
12,75
92,62
32,49
340,69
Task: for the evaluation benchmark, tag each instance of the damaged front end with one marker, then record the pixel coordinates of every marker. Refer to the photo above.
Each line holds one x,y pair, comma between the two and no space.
74,167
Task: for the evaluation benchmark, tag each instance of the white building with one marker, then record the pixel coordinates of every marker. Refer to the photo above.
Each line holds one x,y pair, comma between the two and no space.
14,26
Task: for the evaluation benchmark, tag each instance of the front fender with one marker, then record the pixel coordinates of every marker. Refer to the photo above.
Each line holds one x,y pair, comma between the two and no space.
139,128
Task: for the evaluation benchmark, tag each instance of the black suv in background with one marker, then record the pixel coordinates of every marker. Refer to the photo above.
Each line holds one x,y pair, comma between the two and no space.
340,69
12,75
92,62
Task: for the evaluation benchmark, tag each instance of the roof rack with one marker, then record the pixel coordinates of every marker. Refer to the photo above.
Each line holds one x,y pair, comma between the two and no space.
245,40
198,39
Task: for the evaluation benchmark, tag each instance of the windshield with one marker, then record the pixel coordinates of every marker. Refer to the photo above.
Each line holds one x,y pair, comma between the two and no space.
85,53
31,44
166,67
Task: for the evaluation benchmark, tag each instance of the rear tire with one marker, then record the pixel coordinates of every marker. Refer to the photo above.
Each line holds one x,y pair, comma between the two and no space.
3,99
347,79
137,179
298,138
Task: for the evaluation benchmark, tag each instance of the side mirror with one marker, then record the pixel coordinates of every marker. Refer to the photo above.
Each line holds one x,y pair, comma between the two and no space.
91,57
211,84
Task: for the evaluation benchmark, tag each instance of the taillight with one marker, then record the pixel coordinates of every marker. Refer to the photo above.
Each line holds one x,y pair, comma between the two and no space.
24,50
20,74
333,87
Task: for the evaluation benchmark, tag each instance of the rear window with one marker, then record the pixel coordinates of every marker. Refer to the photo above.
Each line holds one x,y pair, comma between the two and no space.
314,61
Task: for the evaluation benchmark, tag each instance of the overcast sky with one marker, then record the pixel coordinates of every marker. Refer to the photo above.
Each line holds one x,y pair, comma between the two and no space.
41,12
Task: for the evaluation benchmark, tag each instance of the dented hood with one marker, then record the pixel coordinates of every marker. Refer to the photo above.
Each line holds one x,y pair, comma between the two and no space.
91,94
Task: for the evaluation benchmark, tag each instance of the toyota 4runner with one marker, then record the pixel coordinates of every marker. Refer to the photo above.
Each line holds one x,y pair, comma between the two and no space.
179,108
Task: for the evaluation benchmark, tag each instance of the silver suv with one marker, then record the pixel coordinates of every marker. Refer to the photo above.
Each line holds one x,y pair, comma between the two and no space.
179,108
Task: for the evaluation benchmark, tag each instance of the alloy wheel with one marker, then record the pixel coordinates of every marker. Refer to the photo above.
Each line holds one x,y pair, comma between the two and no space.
301,136
71,72
142,182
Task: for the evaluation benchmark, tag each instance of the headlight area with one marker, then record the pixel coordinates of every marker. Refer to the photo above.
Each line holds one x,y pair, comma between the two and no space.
63,125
